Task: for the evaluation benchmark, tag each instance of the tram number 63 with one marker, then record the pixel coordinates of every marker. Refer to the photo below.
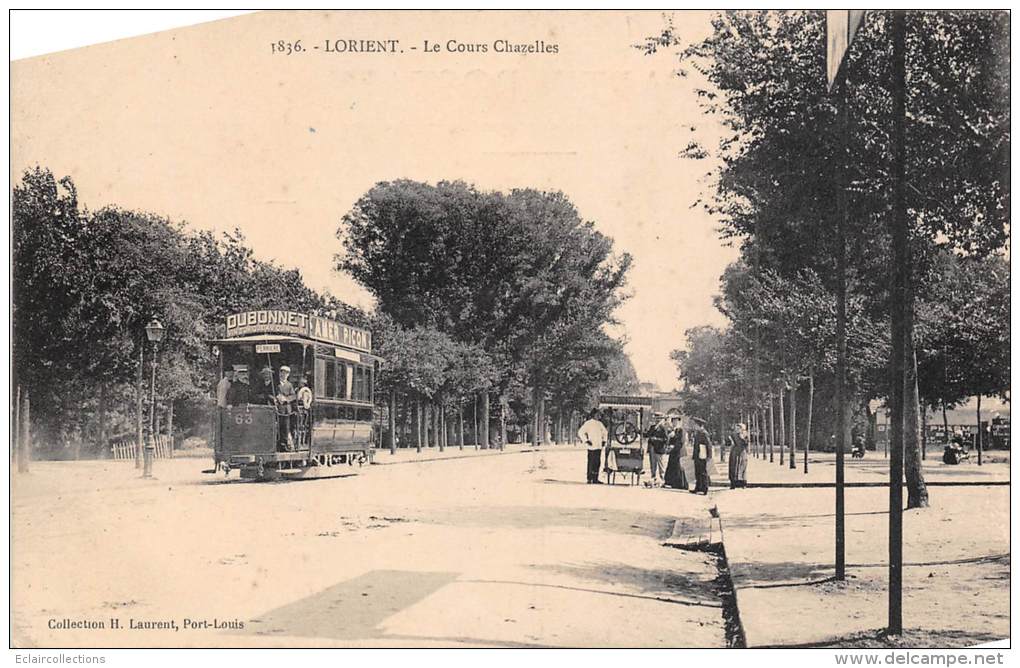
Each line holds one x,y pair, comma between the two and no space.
243,418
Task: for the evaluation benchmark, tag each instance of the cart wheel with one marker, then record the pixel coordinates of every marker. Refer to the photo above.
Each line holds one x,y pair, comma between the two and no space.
625,433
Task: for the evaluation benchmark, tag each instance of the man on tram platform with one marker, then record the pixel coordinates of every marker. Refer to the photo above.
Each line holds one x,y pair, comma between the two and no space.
223,388
285,399
239,392
262,393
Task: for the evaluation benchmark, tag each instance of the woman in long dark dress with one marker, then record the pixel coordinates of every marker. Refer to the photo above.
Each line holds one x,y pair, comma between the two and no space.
675,476
738,456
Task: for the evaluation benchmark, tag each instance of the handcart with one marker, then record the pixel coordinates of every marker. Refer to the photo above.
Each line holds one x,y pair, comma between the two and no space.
625,452
627,459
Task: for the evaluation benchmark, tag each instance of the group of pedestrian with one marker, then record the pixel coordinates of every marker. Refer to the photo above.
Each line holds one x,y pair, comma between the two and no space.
292,404
669,438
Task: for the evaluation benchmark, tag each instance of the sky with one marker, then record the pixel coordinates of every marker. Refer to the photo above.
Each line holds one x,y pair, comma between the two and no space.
207,125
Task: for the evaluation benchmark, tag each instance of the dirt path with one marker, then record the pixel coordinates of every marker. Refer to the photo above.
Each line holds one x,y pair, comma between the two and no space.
511,550
780,548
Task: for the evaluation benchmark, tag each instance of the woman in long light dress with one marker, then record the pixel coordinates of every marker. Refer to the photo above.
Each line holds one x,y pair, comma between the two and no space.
738,456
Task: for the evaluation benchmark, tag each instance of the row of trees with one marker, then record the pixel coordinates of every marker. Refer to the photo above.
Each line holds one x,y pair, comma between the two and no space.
479,295
85,285
487,295
775,177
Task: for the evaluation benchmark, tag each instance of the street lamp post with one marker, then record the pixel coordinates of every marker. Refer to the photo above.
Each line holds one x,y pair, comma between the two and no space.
154,332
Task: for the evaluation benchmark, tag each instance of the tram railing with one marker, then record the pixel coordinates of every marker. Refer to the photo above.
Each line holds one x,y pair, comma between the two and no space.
126,449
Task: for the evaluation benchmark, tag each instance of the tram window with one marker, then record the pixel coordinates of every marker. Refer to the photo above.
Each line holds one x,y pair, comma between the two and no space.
320,377
341,381
330,374
356,389
362,384
364,415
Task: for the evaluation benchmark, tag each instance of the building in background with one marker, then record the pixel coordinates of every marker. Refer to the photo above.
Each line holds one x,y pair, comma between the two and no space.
964,418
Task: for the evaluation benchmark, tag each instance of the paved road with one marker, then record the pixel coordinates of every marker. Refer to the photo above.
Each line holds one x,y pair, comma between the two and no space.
509,550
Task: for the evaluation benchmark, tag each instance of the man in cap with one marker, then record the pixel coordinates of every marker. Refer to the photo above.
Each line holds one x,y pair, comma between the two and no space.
285,398
263,393
239,392
658,438
702,454
595,436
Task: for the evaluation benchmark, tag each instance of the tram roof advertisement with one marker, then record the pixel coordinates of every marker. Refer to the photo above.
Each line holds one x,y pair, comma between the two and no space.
273,321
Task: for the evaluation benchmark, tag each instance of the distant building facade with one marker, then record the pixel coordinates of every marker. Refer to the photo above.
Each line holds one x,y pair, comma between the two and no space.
995,419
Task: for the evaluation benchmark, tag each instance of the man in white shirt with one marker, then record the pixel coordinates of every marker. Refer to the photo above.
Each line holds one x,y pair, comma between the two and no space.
595,436
223,388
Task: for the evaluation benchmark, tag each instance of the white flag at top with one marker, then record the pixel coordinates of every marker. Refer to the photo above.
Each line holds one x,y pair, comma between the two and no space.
840,27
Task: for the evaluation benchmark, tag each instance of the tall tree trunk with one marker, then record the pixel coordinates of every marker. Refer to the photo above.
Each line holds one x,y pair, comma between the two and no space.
810,415
945,423
782,426
485,420
535,416
405,421
924,432
772,431
460,424
542,440
442,425
763,431
170,424
418,424
391,421
793,425
82,430
101,426
754,431
437,429
502,421
917,490
139,407
448,427
979,443
474,417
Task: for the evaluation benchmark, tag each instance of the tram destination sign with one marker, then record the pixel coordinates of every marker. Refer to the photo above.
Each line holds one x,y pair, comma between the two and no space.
274,321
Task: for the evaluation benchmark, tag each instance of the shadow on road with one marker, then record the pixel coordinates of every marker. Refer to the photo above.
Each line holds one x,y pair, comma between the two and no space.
761,575
630,523
656,584
353,609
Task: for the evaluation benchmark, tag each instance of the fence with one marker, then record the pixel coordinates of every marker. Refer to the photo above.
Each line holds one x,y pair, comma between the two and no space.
126,449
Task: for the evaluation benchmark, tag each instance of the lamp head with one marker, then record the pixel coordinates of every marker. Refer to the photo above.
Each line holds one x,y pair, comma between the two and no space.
154,330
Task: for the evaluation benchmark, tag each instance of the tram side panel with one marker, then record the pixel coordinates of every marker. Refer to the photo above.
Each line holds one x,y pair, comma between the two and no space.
333,432
246,430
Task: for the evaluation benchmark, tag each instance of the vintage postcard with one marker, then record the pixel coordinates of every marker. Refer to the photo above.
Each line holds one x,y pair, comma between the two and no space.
515,329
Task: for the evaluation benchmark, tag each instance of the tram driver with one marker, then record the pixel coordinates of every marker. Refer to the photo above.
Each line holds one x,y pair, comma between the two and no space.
285,399
239,392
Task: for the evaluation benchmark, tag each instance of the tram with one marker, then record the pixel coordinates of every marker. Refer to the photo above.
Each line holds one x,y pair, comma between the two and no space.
299,396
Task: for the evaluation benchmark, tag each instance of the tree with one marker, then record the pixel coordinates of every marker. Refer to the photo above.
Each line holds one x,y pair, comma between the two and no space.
520,274
775,175
85,285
